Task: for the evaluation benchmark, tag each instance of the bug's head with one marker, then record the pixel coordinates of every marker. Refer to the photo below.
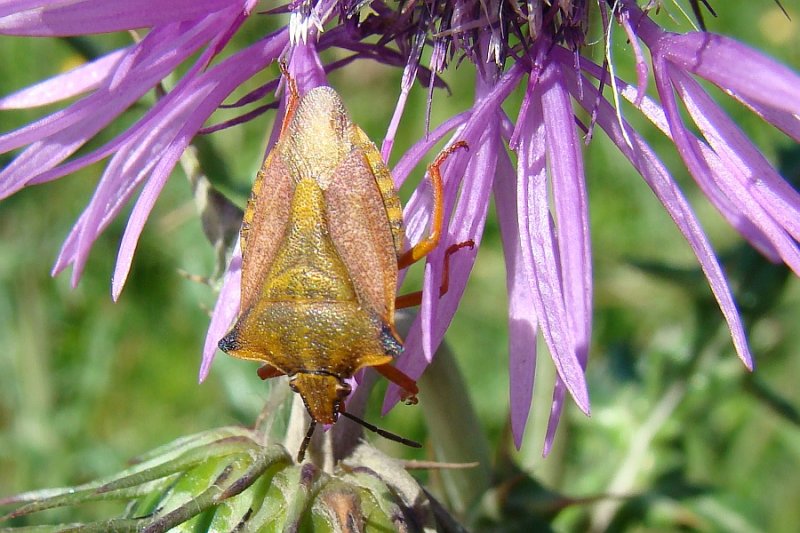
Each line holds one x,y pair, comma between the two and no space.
323,394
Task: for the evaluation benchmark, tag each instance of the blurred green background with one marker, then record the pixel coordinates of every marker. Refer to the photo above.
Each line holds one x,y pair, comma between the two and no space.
681,436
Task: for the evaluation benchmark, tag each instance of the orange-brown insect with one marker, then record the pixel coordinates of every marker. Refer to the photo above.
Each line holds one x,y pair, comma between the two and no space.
322,242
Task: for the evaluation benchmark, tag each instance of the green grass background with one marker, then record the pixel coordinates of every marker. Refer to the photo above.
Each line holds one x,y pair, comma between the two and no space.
680,432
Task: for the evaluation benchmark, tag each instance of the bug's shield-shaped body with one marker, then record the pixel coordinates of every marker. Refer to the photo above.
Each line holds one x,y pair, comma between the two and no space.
320,242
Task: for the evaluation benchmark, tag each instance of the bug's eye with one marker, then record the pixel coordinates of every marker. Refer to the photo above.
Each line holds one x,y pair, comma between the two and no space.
344,389
292,385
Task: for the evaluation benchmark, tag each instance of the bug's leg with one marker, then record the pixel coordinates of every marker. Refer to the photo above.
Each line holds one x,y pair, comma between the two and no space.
415,298
408,385
293,97
424,247
268,371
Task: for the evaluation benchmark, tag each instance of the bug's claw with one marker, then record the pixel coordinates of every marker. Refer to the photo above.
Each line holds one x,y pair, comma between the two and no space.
409,398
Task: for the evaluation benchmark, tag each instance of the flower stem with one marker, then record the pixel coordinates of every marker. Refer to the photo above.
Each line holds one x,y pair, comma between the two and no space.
455,431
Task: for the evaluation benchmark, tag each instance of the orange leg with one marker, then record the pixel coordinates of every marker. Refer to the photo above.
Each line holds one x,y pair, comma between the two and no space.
415,298
293,98
409,386
424,247
268,371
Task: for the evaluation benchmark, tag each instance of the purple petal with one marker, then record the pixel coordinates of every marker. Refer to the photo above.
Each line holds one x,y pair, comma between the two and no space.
394,124
556,408
412,157
571,206
417,212
125,172
211,88
788,124
667,191
39,155
641,64
457,170
224,313
754,235
151,125
706,166
656,115
306,67
77,81
729,211
240,119
136,151
255,95
8,7
409,75
522,318
471,214
430,302
486,111
141,211
55,137
101,16
736,151
735,68
468,220
540,251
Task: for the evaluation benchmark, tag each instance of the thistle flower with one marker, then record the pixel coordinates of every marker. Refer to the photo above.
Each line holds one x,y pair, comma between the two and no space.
539,45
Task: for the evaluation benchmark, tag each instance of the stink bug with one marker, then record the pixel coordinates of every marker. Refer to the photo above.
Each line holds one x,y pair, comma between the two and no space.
322,242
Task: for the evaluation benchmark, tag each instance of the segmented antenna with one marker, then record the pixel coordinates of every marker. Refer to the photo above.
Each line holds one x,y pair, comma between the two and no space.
382,432
301,453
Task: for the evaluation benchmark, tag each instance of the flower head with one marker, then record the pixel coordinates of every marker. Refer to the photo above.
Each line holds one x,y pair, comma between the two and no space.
228,479
538,182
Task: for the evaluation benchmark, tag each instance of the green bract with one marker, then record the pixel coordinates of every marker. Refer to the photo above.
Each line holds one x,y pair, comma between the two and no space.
228,480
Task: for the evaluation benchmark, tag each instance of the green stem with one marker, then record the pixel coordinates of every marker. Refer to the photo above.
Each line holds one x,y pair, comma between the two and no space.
455,431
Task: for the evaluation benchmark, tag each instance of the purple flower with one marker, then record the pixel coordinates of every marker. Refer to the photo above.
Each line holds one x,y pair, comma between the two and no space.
512,43
146,153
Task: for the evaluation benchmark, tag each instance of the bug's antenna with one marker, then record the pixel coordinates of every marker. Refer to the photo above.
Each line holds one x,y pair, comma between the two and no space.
382,432
301,453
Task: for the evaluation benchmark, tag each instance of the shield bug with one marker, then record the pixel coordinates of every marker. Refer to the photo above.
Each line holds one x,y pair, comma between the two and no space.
322,242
